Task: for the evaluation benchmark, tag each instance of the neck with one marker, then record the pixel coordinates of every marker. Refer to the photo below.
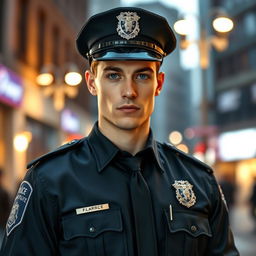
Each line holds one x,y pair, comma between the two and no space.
130,140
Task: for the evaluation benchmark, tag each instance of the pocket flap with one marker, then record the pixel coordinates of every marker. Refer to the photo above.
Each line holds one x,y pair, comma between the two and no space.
92,224
190,222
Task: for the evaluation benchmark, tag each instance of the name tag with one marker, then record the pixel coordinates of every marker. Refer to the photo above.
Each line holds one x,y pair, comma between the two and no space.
93,208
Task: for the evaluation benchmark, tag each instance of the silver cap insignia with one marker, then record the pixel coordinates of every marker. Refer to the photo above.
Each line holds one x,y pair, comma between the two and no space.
184,193
128,25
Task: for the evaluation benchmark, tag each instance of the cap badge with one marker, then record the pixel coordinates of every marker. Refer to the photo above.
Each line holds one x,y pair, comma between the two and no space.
128,25
184,193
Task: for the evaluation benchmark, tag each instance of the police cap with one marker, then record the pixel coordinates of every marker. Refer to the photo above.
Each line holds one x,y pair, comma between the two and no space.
126,34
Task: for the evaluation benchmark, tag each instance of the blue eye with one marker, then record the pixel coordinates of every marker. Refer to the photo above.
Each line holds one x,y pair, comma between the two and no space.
143,76
113,76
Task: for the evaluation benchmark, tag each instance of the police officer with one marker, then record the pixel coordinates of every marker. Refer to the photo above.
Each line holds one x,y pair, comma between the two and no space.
118,191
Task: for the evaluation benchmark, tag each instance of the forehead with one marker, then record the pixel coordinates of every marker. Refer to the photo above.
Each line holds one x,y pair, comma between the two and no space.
127,65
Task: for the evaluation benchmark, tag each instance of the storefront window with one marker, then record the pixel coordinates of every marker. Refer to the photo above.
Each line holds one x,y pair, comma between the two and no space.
5,136
249,23
252,57
41,39
22,29
55,46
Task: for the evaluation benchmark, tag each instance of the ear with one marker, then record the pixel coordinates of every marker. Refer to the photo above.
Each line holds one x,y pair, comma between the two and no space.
90,81
160,82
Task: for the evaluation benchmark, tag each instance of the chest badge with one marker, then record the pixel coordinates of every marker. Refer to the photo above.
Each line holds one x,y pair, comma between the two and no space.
184,193
128,25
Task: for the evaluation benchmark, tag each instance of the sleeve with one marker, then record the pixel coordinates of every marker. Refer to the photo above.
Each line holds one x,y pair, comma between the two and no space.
222,241
32,225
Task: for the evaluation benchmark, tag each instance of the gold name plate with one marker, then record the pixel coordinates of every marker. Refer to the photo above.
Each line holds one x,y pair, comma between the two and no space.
93,208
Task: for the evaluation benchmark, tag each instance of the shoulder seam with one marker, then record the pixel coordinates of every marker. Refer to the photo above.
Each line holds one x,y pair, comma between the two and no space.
64,148
190,157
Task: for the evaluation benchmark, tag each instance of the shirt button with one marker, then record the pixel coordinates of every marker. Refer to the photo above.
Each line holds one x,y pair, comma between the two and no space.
92,229
193,228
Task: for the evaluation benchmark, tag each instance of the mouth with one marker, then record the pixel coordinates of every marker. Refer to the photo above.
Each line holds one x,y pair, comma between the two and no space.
128,108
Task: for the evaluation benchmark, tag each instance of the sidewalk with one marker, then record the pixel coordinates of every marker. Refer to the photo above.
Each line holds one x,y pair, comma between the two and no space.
244,231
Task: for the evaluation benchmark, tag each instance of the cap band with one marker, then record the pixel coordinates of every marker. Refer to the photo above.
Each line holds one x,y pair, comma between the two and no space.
123,43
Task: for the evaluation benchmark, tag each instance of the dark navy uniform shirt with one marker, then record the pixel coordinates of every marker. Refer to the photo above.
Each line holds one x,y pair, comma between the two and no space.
76,201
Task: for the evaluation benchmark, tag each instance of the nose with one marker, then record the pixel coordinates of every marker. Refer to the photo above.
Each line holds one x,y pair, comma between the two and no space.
129,89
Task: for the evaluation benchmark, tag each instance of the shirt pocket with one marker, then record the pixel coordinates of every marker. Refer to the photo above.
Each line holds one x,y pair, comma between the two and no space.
100,233
187,233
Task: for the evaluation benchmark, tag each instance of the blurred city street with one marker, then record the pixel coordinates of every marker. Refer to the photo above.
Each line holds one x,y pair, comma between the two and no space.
244,231
207,107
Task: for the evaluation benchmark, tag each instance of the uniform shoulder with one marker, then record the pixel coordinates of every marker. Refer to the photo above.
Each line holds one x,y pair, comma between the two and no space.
60,150
196,161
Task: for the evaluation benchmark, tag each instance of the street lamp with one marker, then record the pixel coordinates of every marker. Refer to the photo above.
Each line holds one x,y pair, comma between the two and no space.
222,24
59,84
21,141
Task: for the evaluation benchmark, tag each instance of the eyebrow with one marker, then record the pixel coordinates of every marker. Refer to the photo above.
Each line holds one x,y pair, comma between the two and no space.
112,68
116,69
147,69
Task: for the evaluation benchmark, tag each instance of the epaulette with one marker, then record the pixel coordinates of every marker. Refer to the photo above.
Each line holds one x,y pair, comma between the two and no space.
64,148
189,157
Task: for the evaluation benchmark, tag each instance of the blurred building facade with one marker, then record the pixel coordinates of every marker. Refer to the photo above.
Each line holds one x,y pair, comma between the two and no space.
35,34
235,96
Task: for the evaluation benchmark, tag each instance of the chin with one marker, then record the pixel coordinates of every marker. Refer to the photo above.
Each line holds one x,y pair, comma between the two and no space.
128,127
129,124
124,123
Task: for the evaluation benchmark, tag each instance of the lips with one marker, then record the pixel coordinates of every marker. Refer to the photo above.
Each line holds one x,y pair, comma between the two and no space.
128,108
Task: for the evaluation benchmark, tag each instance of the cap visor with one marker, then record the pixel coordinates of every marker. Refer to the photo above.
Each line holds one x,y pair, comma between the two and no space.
142,55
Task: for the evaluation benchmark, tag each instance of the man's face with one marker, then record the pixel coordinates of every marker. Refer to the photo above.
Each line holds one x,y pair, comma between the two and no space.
126,92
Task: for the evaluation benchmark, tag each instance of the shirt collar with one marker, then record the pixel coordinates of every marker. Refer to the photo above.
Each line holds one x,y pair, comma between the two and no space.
151,145
104,150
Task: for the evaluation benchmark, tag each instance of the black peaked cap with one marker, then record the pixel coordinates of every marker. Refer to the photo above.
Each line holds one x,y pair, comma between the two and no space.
126,33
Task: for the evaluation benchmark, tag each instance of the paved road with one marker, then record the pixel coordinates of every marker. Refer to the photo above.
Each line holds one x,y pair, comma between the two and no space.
244,231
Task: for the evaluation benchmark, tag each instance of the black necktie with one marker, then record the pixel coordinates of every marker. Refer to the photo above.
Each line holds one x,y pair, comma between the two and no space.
142,208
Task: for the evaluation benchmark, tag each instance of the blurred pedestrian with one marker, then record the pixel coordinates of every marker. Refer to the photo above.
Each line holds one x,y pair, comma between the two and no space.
4,206
118,191
253,201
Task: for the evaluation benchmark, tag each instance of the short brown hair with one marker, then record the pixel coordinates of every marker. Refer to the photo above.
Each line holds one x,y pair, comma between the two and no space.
94,66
